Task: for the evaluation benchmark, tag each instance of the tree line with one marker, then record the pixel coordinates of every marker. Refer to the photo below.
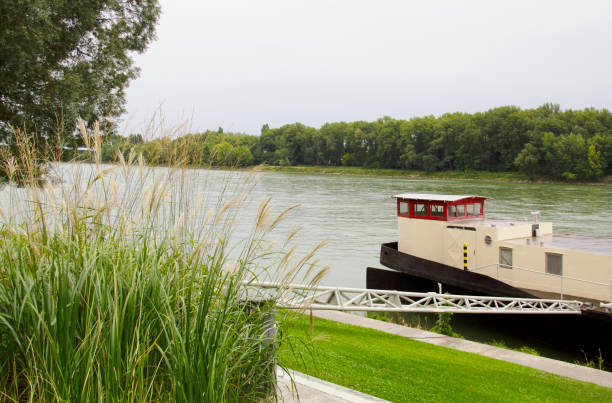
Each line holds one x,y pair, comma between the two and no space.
540,142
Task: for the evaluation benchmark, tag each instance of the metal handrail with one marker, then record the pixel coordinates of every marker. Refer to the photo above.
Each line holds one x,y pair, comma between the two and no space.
505,266
560,277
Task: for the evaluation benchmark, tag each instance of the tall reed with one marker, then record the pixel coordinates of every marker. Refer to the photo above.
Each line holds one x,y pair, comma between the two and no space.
123,283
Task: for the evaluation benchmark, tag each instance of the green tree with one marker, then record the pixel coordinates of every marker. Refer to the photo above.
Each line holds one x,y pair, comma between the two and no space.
408,158
222,154
595,165
61,59
603,144
389,143
528,161
334,147
281,157
243,156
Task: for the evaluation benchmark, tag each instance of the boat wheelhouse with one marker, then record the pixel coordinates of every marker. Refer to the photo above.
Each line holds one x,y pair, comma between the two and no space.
449,239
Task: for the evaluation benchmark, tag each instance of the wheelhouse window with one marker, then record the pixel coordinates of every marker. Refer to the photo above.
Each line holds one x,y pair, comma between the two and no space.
505,257
420,209
404,208
460,210
554,264
474,209
452,211
436,210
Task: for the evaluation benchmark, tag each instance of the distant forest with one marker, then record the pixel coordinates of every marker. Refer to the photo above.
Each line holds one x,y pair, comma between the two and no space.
541,142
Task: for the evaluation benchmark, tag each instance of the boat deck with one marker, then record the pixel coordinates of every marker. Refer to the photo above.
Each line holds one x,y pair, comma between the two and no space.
485,222
569,242
560,241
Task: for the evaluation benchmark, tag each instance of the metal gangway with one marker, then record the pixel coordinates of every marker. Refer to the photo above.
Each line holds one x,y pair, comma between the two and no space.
304,297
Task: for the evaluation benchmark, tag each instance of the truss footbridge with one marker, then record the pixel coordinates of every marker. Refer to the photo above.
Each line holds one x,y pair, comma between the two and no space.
303,297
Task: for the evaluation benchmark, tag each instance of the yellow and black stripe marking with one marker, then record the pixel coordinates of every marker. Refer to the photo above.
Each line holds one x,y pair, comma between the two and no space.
465,266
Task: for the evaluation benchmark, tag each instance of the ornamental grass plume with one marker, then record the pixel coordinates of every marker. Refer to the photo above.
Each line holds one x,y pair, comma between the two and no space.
125,283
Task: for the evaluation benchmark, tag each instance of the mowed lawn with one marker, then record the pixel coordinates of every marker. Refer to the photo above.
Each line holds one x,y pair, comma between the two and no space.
404,370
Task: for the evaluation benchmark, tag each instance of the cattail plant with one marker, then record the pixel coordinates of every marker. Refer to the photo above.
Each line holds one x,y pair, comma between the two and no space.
126,283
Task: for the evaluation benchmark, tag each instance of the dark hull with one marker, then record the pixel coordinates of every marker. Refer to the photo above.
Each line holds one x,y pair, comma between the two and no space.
588,333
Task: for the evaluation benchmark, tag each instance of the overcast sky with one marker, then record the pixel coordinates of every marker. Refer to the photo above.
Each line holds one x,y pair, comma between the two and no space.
239,64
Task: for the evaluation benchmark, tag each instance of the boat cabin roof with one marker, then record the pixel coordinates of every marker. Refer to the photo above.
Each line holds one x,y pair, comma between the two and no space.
427,206
437,197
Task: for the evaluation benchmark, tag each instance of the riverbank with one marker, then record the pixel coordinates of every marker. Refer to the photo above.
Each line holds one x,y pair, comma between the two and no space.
469,175
343,170
380,172
399,369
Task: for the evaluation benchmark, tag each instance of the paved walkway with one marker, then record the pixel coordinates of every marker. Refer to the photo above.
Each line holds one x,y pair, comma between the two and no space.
308,389
562,368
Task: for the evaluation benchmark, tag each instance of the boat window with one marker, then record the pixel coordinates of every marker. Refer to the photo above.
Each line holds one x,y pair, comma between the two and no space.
436,210
505,257
478,208
471,209
554,264
460,210
404,208
452,211
420,209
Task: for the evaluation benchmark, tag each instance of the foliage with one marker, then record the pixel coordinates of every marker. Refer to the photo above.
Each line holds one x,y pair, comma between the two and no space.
538,143
443,325
528,161
529,350
597,363
522,349
62,59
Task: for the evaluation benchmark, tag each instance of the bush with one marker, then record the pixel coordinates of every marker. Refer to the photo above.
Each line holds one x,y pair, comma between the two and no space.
443,325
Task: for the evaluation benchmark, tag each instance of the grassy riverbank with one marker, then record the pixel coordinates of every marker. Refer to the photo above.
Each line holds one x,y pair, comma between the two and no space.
482,175
499,176
401,370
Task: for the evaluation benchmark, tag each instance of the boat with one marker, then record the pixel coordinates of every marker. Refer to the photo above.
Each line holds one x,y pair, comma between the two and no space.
446,243
448,239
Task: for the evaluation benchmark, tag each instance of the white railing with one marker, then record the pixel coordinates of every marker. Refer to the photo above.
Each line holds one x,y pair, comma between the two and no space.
296,296
562,279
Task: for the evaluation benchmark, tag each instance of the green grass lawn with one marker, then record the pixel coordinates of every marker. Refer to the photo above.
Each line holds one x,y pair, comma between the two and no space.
404,370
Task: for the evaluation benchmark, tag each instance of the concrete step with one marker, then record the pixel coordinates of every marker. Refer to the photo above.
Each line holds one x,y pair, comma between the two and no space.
306,389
